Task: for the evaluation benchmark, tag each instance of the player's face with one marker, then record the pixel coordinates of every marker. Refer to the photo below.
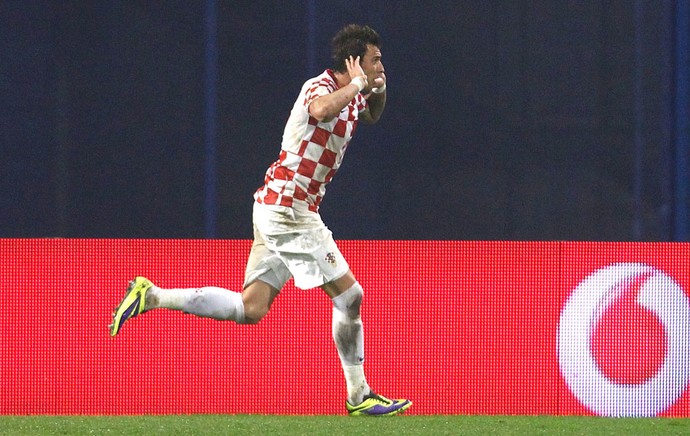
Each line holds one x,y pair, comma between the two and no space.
372,65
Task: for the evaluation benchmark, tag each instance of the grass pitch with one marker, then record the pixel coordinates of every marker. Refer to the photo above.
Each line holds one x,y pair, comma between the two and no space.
338,425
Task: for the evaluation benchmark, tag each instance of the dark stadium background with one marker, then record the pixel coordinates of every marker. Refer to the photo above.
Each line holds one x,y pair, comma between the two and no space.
516,120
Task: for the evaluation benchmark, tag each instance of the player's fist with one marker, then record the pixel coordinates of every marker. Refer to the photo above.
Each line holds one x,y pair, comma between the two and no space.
379,82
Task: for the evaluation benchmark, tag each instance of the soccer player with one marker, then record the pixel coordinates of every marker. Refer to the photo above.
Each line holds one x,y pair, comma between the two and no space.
290,239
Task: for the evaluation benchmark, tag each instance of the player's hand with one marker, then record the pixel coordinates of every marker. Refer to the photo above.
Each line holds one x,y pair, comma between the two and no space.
355,70
379,81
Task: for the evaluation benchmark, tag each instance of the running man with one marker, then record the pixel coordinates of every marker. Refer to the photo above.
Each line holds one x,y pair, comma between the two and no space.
290,239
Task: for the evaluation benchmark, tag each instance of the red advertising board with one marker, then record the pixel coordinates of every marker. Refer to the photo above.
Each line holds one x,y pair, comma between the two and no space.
457,327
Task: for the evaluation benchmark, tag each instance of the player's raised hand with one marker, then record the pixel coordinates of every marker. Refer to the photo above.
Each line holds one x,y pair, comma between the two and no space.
357,75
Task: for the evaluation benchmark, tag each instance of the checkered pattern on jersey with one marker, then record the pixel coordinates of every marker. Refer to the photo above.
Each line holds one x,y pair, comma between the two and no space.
302,175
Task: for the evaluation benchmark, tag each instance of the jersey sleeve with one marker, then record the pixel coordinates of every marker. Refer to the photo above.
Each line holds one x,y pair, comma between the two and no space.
319,87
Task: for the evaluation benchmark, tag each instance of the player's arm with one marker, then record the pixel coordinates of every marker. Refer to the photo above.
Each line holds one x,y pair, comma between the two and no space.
328,106
376,102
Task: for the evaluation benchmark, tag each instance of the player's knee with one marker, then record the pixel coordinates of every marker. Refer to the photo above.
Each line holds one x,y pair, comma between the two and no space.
254,312
257,298
350,301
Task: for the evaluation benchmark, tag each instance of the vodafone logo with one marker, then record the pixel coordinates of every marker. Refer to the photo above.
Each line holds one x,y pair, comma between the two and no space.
623,341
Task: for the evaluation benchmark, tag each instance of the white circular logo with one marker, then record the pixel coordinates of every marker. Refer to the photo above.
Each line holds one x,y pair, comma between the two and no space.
623,341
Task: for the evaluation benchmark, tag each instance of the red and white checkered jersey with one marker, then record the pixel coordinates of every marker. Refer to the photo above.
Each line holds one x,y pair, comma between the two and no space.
311,151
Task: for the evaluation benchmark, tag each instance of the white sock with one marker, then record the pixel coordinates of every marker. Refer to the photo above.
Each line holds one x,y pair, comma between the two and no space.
208,302
357,386
348,334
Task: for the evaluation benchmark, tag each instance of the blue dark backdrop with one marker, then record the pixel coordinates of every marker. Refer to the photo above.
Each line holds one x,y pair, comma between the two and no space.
506,119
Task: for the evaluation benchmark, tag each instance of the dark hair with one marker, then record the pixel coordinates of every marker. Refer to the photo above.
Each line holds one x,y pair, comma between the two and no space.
352,40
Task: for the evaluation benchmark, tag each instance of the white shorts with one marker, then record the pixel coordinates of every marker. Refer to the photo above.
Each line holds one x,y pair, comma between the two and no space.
291,243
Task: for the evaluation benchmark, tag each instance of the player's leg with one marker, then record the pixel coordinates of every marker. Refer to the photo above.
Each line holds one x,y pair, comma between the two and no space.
248,307
209,302
264,277
348,334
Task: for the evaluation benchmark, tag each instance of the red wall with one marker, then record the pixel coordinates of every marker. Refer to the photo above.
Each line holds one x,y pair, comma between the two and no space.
458,327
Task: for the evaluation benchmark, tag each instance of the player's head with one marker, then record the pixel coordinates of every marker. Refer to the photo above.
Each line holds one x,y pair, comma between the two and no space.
352,40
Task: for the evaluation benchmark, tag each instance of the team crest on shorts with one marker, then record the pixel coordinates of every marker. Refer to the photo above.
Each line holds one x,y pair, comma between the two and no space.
330,258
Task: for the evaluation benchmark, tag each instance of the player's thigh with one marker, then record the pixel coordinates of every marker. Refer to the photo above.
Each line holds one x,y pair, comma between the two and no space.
265,265
264,277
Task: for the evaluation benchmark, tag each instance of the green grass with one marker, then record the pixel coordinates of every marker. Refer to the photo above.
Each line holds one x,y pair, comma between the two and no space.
256,425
